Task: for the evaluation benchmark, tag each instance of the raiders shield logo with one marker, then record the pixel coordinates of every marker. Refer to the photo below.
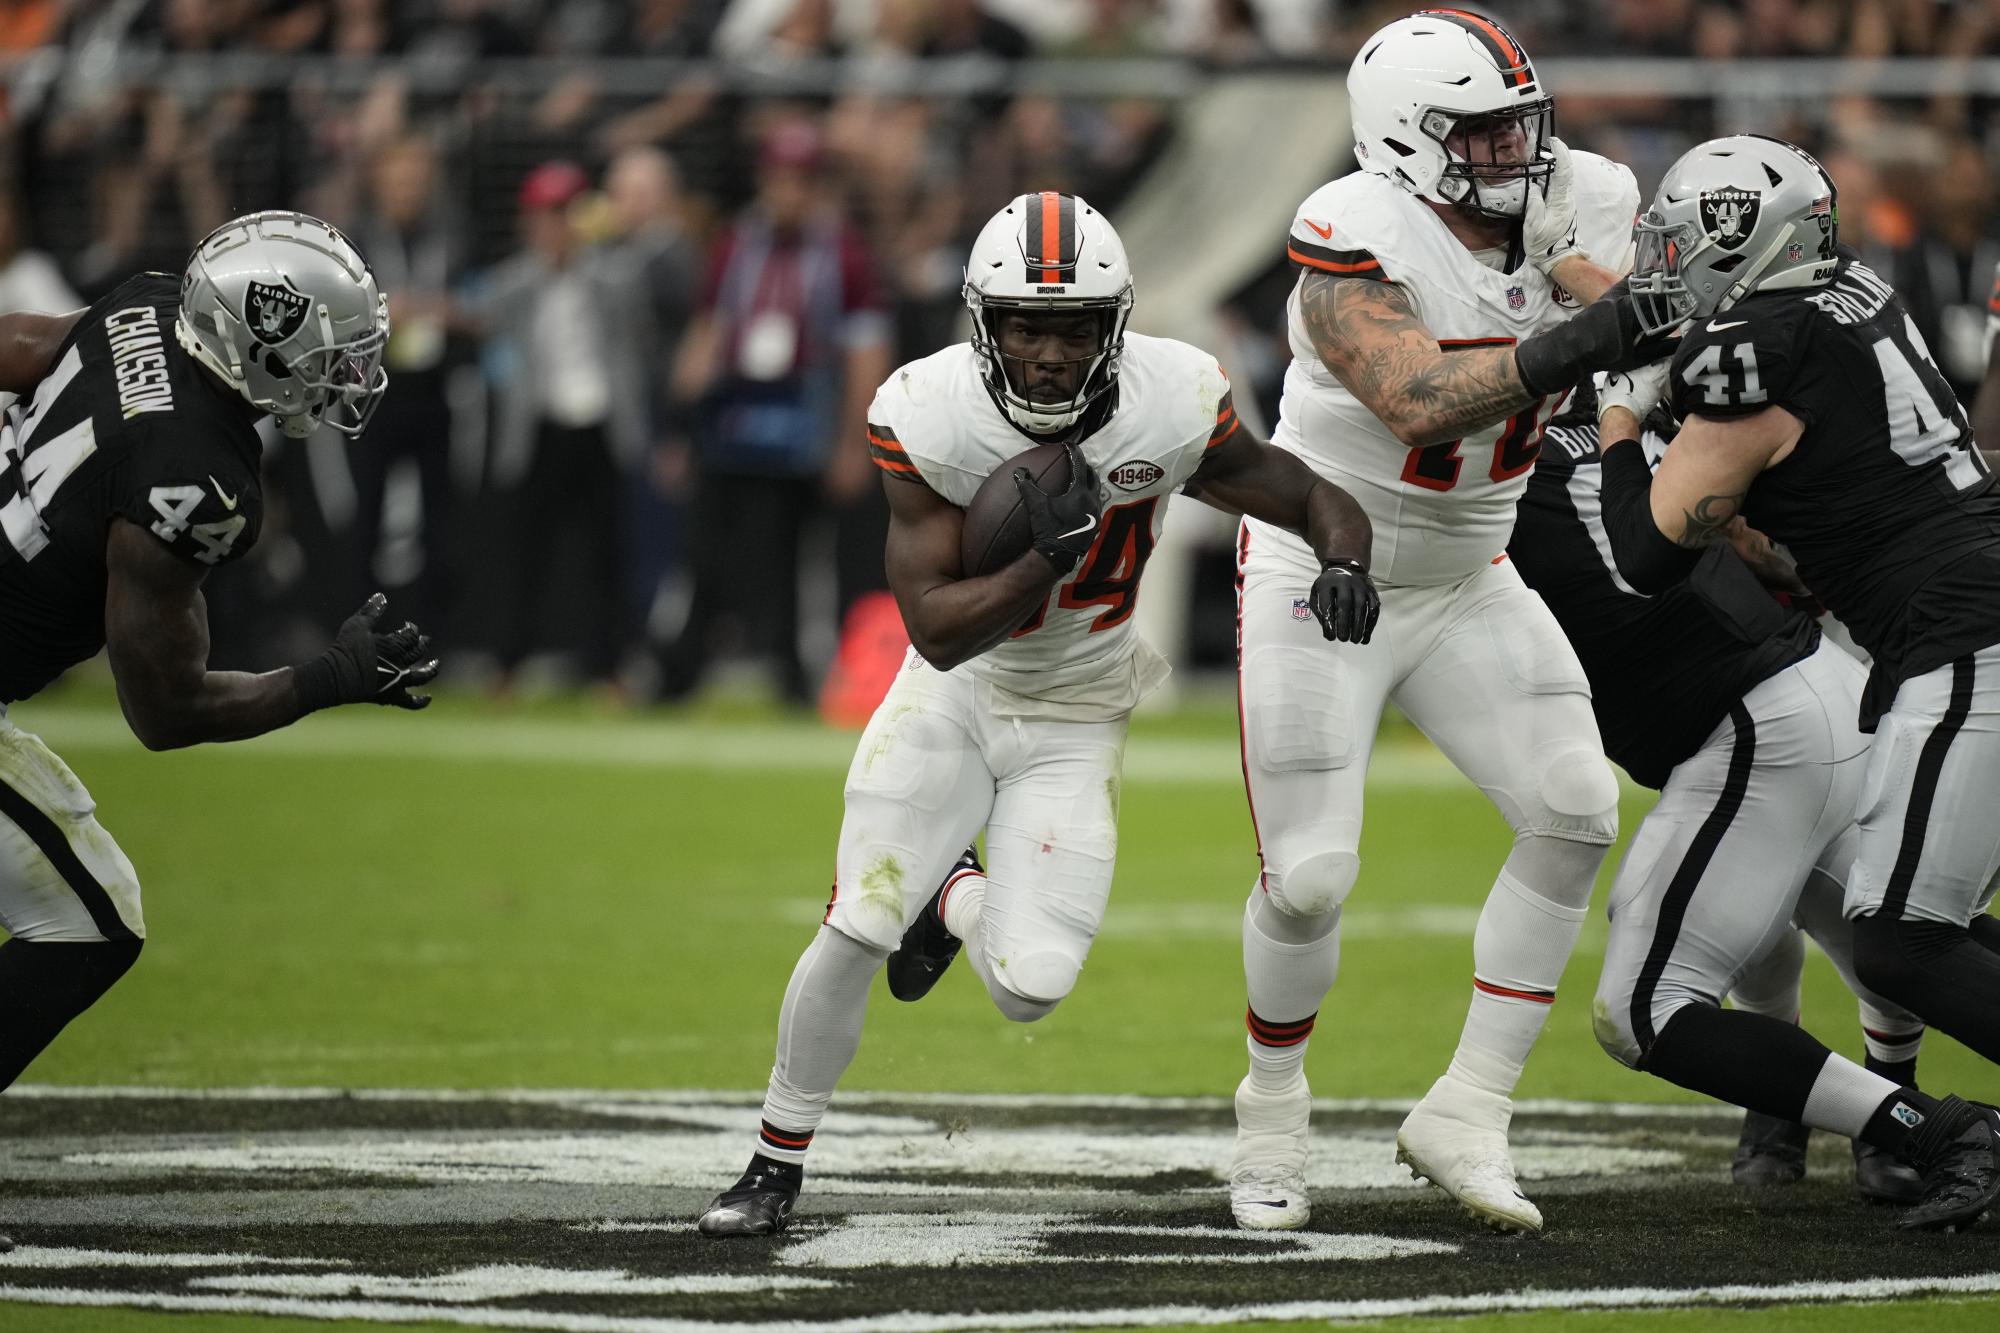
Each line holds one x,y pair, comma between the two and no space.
273,313
1730,215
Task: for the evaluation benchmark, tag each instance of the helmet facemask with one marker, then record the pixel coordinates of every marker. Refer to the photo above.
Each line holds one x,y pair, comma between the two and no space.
1493,158
1658,283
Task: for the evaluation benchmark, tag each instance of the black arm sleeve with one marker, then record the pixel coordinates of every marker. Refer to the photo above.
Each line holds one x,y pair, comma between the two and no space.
1647,558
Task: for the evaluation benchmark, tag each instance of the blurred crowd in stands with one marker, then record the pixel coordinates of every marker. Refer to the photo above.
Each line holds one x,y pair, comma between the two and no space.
636,327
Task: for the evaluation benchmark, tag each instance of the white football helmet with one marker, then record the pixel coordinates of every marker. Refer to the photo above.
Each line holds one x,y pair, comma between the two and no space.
1048,251
1737,215
282,307
1440,70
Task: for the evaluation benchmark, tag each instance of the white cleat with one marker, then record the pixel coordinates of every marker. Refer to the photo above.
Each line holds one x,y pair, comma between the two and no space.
1456,1138
1267,1174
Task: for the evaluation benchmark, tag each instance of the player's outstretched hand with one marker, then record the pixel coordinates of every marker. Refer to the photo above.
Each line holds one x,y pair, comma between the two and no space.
365,665
1548,228
1064,524
1345,601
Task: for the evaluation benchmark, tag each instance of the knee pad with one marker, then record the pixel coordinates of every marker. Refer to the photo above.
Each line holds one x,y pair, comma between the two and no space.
1316,885
1579,795
1612,1025
1029,987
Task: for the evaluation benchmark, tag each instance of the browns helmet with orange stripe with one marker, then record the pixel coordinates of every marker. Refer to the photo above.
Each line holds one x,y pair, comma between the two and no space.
1048,253
1446,103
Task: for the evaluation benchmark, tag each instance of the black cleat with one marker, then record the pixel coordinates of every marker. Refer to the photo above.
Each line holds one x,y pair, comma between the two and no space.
1770,1152
928,948
760,1204
1957,1151
1879,1177
6,1243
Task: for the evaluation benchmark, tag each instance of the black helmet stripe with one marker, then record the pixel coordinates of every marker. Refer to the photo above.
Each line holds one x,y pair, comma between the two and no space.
1508,57
1048,237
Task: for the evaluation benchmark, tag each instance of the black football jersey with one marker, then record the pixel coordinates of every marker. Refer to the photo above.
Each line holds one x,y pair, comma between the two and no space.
1663,670
1884,503
126,425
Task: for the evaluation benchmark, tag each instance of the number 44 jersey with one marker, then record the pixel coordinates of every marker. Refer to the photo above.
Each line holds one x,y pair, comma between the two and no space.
1883,502
126,425
933,422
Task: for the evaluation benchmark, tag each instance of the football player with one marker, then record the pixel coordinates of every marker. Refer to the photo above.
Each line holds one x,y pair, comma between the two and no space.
129,470
1010,712
1447,299
1737,712
1811,408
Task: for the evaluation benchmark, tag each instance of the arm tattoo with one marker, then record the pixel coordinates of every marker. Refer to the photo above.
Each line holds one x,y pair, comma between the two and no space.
1367,335
1704,523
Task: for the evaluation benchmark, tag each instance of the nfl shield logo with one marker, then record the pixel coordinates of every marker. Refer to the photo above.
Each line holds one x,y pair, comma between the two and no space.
1516,299
1301,609
1795,252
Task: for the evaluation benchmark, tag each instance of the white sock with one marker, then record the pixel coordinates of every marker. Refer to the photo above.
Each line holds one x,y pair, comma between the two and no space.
1844,1097
819,1030
1519,949
1893,1036
1289,965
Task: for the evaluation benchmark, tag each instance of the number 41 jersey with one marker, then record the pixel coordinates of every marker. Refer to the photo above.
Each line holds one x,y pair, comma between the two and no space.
1883,502
934,422
126,425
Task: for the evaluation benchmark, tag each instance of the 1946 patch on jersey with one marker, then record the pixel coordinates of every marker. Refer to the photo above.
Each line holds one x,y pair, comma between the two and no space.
273,313
1135,476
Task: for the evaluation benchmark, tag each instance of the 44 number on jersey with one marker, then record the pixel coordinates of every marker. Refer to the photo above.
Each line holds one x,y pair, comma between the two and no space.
1108,575
176,505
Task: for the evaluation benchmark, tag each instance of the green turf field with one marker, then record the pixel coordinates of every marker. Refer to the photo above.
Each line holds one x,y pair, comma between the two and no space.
563,898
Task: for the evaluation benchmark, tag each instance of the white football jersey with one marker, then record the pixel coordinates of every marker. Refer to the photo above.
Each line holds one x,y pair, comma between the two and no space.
933,421
1441,511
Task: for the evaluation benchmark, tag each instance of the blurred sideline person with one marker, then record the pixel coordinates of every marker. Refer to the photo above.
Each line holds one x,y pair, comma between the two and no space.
551,312
1986,405
129,470
657,272
790,339
415,251
1010,713
1811,408
1715,696
1446,302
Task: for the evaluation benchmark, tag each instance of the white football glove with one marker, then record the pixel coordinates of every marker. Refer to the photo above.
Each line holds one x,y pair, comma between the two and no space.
1548,228
1637,391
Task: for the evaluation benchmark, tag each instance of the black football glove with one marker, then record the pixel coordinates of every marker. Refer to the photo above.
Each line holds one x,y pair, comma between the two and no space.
1345,601
1607,334
1065,524
364,666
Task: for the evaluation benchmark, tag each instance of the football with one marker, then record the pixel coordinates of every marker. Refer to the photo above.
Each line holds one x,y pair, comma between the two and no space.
996,528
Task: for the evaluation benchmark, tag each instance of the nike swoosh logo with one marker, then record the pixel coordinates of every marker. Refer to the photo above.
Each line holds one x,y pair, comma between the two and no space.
228,500
1714,327
1325,233
1088,524
1267,1203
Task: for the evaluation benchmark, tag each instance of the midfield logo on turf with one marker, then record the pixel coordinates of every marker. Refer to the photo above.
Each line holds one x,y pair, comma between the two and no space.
571,1210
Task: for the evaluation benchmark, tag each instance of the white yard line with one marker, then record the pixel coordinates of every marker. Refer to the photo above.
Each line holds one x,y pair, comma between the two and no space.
1026,1101
647,743
1596,1298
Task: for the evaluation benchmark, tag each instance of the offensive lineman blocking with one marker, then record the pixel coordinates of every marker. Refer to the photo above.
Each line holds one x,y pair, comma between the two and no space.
1010,712
1434,330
